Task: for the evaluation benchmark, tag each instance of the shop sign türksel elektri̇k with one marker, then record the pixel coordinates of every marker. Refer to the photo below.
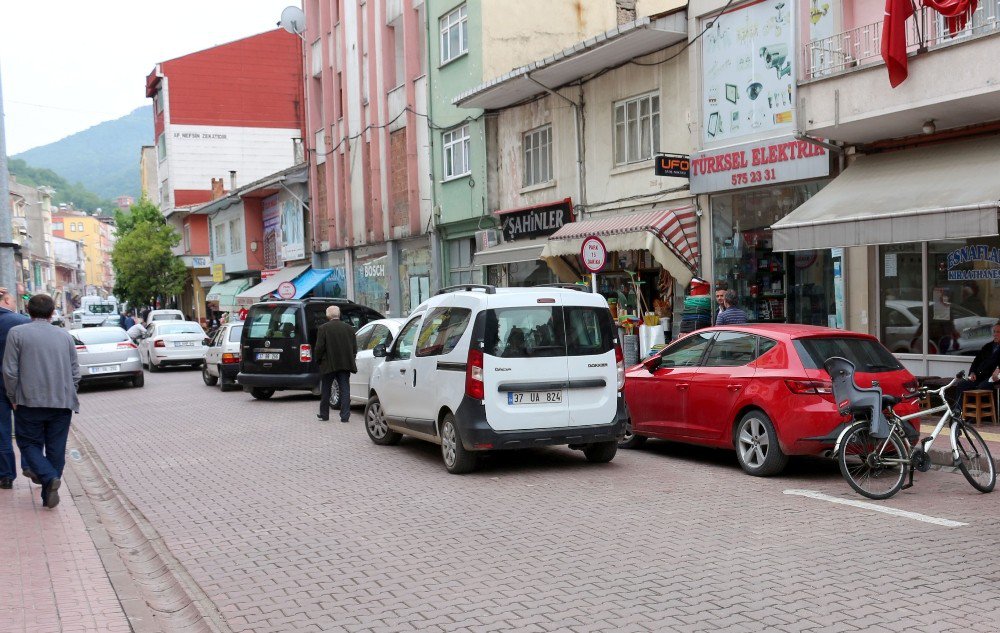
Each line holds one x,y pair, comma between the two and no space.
767,162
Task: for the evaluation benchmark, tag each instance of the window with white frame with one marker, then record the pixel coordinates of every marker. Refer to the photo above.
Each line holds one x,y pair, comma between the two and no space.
455,144
236,236
537,152
460,265
637,129
454,34
220,238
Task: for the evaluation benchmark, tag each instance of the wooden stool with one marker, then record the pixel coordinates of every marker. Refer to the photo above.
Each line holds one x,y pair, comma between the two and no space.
977,405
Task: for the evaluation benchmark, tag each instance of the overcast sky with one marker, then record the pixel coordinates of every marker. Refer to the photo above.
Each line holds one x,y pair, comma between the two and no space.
67,65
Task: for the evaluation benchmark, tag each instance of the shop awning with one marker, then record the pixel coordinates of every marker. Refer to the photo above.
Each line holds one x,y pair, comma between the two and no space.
309,280
510,253
264,289
225,293
670,235
928,193
206,281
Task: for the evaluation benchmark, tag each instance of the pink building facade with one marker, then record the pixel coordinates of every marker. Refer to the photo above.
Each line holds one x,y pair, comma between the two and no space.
368,148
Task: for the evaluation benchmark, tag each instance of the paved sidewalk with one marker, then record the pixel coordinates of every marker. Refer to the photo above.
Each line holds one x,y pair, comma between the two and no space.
51,577
941,450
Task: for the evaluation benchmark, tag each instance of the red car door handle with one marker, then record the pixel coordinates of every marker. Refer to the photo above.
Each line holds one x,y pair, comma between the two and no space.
734,387
683,386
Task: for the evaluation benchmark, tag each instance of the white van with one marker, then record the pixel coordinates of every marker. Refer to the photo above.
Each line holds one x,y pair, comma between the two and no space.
94,309
479,368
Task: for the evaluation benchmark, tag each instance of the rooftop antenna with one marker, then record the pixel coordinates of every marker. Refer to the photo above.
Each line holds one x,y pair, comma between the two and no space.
293,20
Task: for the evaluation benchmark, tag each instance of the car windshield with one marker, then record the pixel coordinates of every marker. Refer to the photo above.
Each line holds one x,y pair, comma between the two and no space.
867,355
101,308
179,328
99,337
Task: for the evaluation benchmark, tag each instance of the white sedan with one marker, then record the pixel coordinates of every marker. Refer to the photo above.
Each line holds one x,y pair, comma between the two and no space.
380,332
173,343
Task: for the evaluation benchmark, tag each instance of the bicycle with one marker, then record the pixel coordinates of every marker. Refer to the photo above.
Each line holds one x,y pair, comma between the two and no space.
876,454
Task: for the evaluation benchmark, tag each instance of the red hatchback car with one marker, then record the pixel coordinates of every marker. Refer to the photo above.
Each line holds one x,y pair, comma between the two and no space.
760,389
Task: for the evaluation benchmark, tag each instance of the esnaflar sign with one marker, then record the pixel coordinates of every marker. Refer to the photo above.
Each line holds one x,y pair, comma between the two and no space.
545,219
776,160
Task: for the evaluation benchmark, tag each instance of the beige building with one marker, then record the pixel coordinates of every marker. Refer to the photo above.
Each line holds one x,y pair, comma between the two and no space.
98,237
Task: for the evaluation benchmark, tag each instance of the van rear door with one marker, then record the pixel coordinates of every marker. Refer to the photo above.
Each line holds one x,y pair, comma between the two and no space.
592,389
271,337
524,366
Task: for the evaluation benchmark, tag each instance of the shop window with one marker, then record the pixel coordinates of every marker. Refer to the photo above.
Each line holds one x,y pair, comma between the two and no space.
220,239
963,290
637,129
901,293
455,148
537,153
454,34
236,236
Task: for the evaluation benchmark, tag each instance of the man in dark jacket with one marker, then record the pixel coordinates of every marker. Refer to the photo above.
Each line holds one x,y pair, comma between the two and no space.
983,369
8,319
336,349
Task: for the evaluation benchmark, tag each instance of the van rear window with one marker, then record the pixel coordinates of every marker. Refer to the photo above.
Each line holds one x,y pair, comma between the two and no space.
867,355
534,332
275,321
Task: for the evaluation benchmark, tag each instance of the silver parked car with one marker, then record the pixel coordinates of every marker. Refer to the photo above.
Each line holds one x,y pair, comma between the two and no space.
172,343
380,332
106,354
222,360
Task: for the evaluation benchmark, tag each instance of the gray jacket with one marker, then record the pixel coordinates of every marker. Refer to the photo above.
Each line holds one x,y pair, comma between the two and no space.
40,367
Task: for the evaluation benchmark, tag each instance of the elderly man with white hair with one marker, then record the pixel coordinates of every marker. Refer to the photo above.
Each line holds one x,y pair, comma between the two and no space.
336,349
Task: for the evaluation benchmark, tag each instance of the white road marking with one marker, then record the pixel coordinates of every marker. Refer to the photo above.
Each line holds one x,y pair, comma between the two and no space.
867,505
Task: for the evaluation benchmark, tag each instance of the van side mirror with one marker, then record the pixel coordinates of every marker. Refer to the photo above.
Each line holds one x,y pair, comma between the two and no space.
379,351
652,364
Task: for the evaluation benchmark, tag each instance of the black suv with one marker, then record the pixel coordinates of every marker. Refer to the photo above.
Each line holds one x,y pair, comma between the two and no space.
278,342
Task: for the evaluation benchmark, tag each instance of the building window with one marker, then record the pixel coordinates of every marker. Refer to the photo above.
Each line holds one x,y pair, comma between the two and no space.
235,236
456,152
57,226
158,100
161,147
537,150
637,129
220,238
454,34
187,238
460,268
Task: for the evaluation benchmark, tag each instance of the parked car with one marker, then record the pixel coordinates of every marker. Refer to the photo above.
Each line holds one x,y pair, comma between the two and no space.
57,319
484,368
381,332
222,360
964,334
278,340
172,343
760,389
112,321
107,354
164,315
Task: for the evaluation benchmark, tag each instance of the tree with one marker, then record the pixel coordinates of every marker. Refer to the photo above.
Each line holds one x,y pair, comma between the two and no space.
145,267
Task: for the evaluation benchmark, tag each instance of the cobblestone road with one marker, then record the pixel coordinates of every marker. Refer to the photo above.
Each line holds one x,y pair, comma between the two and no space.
292,524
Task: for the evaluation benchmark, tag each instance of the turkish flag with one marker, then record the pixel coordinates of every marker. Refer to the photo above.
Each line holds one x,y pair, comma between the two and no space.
956,12
894,39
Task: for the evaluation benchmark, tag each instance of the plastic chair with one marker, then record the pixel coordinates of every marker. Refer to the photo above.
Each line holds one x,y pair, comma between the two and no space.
852,399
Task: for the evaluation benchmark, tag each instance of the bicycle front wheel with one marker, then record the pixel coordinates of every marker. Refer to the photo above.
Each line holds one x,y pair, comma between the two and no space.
974,459
874,467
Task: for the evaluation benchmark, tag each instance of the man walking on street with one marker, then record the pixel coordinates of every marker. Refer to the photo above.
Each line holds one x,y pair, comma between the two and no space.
41,374
336,349
8,319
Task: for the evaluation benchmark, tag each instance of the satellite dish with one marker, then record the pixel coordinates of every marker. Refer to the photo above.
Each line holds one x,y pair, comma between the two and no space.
293,20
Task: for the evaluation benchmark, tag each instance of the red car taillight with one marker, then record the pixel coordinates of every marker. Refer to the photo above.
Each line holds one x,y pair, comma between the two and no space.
620,365
305,353
81,348
811,387
474,387
125,346
229,359
159,343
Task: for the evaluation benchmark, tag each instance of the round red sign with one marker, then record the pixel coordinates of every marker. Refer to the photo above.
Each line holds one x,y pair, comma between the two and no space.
593,254
286,290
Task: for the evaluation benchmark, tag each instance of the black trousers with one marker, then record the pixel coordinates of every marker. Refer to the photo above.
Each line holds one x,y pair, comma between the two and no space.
343,379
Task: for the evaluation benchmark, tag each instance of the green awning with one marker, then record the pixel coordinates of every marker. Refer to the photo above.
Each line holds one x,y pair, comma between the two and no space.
225,292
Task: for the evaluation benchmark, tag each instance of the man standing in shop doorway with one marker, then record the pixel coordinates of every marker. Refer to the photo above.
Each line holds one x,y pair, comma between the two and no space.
732,314
720,298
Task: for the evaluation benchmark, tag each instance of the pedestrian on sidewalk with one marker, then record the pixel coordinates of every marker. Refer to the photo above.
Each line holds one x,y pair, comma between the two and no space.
732,314
8,319
41,374
336,349
984,366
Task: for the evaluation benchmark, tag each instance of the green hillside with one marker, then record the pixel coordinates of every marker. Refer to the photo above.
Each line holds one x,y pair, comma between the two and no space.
104,159
77,194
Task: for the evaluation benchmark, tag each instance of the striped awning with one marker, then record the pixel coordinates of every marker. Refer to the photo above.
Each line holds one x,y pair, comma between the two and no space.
671,236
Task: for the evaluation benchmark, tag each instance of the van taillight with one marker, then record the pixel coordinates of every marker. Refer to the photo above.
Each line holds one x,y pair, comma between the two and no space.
620,365
474,387
305,353
812,387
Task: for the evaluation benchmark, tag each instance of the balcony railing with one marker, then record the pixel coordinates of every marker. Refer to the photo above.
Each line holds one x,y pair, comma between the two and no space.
862,45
